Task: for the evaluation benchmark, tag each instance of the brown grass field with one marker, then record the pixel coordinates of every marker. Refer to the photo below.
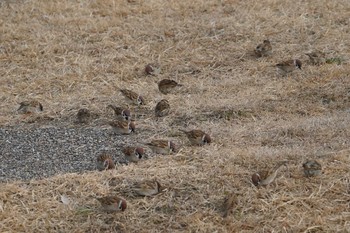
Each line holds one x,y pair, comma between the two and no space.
72,54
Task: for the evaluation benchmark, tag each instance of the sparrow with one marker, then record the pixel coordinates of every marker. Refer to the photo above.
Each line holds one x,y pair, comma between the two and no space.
104,162
288,66
133,154
162,108
121,113
197,137
228,205
83,115
133,97
123,127
263,49
162,146
112,203
263,178
166,86
317,57
147,188
30,107
312,168
152,69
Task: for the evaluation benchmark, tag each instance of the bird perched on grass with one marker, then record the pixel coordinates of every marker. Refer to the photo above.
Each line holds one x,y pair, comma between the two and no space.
31,106
288,66
152,69
112,203
147,188
132,97
121,113
133,154
197,137
312,168
162,108
122,127
167,86
104,162
162,146
263,49
266,177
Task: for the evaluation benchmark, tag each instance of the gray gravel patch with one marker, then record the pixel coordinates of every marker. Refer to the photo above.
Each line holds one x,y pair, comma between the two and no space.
35,153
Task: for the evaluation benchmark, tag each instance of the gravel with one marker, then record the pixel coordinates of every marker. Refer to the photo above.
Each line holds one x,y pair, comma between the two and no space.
35,153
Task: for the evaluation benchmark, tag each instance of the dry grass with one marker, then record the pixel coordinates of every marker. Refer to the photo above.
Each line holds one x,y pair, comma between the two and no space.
69,54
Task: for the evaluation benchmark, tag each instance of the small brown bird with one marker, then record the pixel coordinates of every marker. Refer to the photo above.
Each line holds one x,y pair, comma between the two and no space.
123,127
162,108
229,203
133,97
167,86
312,168
152,69
288,66
104,162
263,49
147,188
83,116
162,146
112,203
263,178
121,113
31,106
317,57
133,154
197,137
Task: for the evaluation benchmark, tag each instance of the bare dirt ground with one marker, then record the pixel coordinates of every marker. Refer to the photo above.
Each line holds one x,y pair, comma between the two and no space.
73,54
